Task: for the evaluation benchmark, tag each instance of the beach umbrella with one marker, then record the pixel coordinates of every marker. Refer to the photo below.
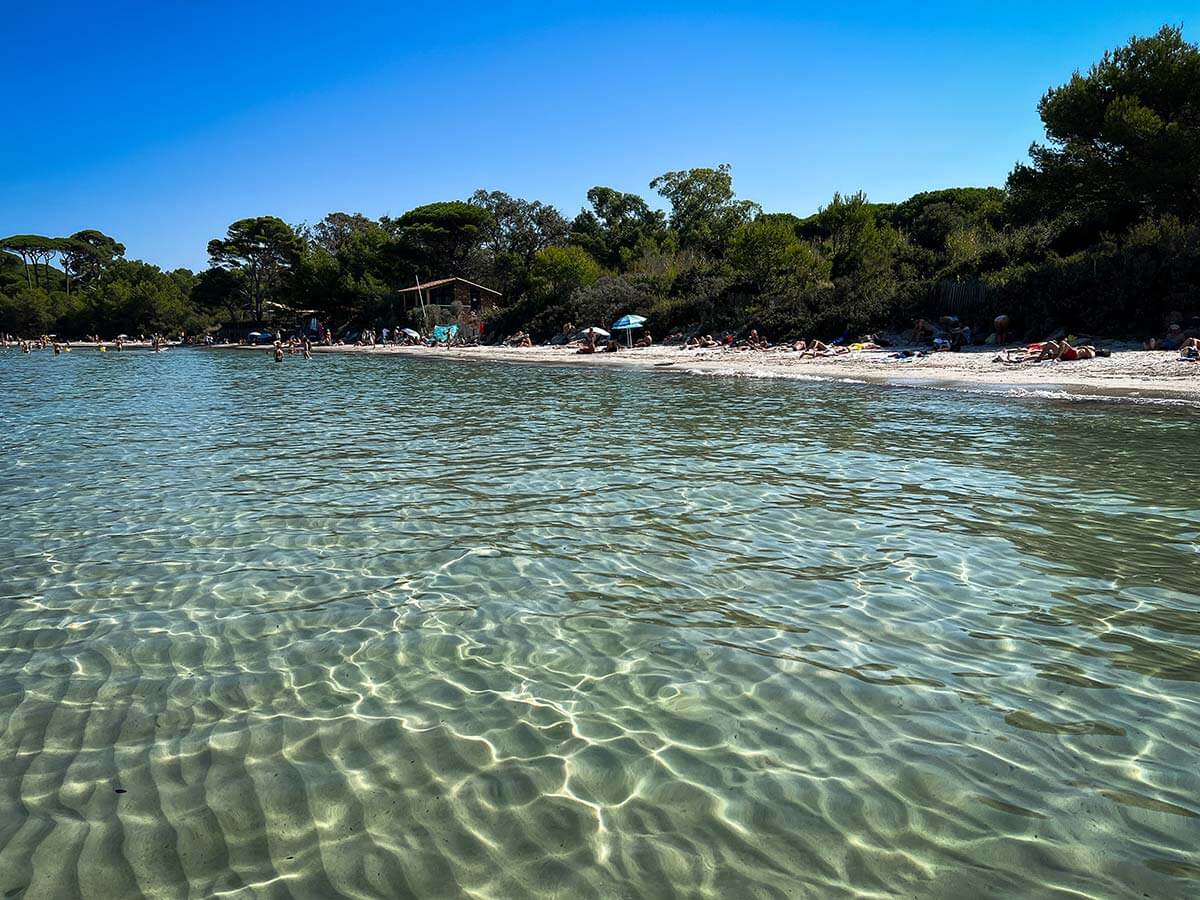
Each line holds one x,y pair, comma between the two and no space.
411,333
627,324
599,332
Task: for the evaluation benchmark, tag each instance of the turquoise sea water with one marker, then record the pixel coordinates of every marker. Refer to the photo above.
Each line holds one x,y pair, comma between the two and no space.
374,627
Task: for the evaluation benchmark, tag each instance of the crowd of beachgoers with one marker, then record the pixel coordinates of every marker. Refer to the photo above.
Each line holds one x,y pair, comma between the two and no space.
55,344
942,351
946,335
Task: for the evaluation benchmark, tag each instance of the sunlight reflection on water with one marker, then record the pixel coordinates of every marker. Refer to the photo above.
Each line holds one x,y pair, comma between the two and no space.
387,627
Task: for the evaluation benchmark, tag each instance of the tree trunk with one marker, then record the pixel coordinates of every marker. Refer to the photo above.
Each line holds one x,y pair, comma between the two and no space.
257,290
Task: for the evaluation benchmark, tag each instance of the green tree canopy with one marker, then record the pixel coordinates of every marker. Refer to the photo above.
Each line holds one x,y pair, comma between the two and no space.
86,254
704,208
437,238
518,226
616,225
1123,141
861,249
335,230
560,271
518,230
34,250
929,218
769,257
134,296
218,290
263,250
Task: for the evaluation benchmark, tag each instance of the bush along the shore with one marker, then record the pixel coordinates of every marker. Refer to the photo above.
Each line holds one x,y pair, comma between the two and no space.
1098,232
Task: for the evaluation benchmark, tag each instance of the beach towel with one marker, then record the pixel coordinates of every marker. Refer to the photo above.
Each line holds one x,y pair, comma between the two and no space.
443,333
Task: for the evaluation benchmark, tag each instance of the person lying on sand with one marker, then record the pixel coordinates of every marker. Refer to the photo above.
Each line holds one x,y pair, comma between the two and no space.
1050,350
612,346
646,341
820,348
1012,355
1062,350
701,343
1174,339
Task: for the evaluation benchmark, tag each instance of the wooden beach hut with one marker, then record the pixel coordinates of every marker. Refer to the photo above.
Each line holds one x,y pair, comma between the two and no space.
445,292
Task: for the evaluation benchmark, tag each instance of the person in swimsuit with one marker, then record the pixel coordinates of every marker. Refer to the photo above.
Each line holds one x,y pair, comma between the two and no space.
815,347
1000,325
1173,341
1064,351
1190,349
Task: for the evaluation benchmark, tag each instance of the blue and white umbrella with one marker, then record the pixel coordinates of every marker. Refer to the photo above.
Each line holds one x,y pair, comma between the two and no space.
627,324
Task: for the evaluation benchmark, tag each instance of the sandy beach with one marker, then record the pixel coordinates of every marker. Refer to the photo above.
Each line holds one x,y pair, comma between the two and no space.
1127,374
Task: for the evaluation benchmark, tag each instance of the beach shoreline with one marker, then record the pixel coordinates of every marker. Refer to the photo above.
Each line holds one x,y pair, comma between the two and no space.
1126,375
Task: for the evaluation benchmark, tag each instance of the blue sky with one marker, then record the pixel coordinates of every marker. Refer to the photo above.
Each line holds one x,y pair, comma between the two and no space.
160,123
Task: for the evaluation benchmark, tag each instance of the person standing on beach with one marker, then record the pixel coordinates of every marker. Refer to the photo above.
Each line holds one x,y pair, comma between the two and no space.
1000,325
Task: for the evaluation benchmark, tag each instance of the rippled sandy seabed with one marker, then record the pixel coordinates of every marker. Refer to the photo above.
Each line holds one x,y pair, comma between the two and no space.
385,628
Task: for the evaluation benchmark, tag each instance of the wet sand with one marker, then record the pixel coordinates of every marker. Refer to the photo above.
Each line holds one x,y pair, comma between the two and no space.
1136,374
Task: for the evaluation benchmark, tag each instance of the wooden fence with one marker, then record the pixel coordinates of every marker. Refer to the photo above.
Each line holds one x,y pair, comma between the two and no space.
971,301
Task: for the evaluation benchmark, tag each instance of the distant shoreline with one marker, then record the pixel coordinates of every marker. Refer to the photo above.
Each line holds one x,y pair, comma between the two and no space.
1132,375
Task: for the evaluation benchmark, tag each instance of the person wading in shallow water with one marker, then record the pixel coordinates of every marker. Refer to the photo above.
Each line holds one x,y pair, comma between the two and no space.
278,352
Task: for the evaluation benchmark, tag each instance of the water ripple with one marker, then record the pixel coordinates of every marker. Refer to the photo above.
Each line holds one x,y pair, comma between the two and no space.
378,628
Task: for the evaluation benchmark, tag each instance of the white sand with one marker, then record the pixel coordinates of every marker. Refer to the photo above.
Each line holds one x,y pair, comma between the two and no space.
1125,374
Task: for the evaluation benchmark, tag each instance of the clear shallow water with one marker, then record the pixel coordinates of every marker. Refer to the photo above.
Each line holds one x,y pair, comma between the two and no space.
379,628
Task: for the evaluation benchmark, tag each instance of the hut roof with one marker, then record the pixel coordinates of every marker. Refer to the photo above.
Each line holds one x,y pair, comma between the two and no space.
441,281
